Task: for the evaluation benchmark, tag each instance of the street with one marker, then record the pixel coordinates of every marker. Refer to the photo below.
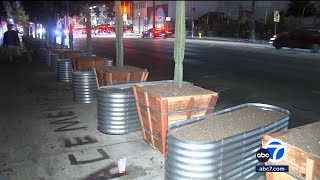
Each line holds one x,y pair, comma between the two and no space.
240,72
46,135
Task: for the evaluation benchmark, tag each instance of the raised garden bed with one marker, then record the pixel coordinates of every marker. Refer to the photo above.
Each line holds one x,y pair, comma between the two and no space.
222,145
71,54
112,75
303,152
117,111
161,105
85,63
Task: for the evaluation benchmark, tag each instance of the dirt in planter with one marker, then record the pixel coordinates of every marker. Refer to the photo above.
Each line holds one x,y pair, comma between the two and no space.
170,90
306,138
124,68
116,90
229,124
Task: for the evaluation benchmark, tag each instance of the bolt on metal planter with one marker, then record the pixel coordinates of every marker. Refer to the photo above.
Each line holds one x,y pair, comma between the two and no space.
53,62
64,70
232,157
84,86
117,111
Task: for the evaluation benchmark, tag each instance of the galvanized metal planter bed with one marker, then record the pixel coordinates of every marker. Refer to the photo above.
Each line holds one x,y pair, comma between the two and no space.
47,58
228,158
117,110
53,62
64,70
84,86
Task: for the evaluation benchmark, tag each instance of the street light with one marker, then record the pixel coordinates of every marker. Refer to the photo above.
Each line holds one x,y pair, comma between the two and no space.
139,23
310,3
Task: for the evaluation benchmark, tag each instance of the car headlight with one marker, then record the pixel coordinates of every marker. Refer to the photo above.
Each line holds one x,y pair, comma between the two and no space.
272,39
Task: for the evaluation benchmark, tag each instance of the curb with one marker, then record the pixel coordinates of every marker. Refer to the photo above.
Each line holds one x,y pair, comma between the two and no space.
230,40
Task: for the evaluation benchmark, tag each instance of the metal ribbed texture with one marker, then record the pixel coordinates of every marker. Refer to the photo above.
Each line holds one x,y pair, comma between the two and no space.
47,58
117,111
64,70
42,53
53,62
84,86
231,158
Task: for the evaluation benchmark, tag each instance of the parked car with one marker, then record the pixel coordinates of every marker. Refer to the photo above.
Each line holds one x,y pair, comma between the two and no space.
154,32
304,38
103,30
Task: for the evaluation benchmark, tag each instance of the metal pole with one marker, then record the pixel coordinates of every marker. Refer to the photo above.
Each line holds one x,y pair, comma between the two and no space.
275,28
303,13
192,25
139,23
265,18
154,14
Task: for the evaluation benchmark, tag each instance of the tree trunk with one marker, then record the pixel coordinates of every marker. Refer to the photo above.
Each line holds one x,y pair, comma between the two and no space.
88,28
179,42
35,28
62,36
119,34
71,37
252,22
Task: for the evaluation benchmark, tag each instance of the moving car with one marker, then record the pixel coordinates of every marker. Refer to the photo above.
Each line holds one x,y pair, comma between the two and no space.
304,38
154,32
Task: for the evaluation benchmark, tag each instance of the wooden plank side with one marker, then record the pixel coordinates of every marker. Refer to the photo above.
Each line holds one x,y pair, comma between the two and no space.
301,164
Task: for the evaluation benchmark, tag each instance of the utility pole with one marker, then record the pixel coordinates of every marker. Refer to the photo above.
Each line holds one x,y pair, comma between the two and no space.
192,23
253,26
154,14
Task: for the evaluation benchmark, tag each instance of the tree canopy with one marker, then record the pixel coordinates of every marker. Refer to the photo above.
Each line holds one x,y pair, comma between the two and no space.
295,8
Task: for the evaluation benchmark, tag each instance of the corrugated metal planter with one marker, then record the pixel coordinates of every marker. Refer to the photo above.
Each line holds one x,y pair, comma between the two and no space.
53,62
47,58
84,86
64,70
117,111
231,157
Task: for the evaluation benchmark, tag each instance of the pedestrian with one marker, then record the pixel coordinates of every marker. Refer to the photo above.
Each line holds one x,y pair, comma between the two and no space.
11,42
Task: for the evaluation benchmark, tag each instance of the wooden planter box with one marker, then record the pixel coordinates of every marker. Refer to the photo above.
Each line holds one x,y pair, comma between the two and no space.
113,75
157,111
85,63
303,153
67,52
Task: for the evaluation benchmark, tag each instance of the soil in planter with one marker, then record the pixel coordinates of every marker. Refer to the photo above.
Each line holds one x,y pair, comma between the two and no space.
86,58
116,90
170,90
229,124
306,138
120,69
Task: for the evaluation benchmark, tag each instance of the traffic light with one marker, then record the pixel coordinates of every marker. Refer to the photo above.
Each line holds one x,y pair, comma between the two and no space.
125,10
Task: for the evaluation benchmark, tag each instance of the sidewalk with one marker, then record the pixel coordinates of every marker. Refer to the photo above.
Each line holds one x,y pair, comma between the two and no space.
45,135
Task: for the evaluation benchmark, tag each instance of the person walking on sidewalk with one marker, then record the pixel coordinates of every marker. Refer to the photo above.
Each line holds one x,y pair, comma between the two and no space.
11,42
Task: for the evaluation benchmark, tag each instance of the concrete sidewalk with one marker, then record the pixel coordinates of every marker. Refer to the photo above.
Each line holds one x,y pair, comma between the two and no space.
45,135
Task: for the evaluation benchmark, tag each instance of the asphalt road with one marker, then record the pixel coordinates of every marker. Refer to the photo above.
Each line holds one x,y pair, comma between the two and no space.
240,72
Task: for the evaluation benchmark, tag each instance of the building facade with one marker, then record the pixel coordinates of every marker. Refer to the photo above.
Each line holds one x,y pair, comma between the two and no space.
143,15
